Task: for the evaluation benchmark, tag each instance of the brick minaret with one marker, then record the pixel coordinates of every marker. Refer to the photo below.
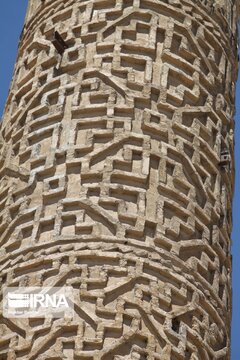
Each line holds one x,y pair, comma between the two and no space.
116,177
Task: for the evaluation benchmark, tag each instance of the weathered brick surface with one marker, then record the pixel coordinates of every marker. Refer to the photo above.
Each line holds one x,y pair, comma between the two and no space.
113,178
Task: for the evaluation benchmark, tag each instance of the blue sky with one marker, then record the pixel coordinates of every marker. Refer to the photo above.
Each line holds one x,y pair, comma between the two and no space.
12,14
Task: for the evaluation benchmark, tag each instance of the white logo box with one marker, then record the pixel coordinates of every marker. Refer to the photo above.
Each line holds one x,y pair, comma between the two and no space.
35,302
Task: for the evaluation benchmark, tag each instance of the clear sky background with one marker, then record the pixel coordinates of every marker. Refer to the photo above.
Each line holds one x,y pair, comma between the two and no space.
12,14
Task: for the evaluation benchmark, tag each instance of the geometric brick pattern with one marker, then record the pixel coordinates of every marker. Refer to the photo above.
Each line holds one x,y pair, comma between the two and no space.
112,179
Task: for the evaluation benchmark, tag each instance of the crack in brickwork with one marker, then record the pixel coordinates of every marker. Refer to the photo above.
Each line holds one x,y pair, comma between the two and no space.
112,178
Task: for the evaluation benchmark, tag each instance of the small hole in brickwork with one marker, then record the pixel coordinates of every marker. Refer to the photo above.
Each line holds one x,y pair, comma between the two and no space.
54,184
187,355
42,80
147,297
175,325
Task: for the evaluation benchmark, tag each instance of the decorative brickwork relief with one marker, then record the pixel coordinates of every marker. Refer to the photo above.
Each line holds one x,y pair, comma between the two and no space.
116,177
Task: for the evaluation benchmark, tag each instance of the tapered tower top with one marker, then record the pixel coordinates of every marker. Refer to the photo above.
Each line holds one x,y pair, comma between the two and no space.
229,9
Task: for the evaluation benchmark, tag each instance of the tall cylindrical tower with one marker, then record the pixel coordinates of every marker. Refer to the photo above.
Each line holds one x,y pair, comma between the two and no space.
117,178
